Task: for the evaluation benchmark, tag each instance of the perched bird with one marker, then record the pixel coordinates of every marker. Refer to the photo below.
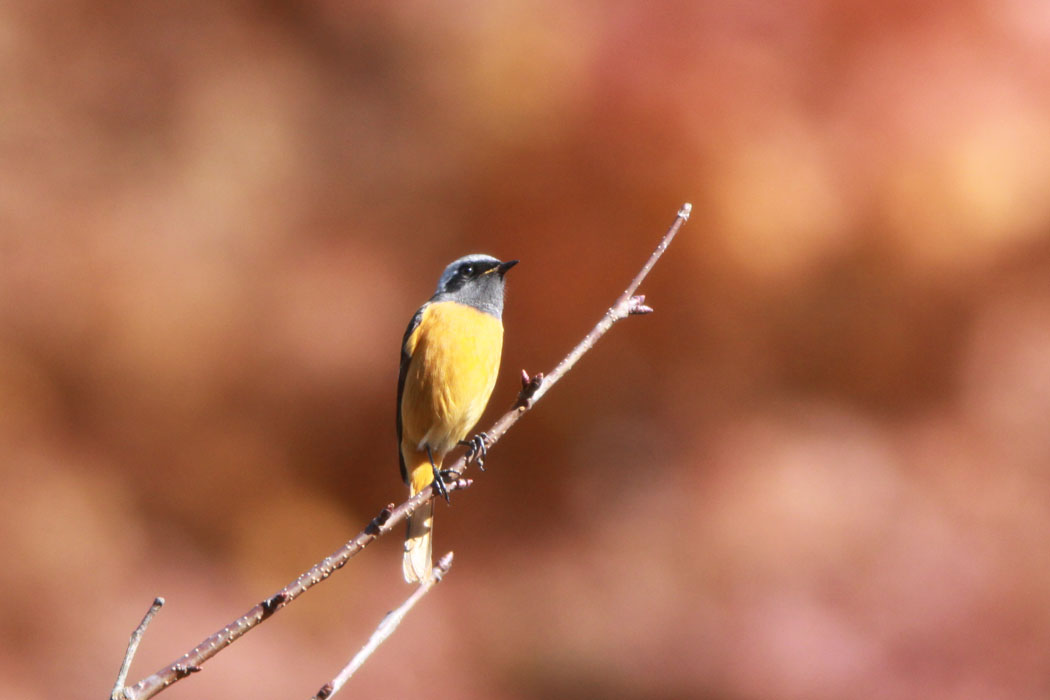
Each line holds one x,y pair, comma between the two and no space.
449,361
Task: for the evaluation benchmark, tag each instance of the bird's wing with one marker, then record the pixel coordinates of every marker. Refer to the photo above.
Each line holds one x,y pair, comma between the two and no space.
405,359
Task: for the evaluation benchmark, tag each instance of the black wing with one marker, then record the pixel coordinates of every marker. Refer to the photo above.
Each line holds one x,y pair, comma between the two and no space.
405,357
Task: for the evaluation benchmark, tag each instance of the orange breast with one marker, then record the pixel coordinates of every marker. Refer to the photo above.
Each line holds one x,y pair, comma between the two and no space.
455,354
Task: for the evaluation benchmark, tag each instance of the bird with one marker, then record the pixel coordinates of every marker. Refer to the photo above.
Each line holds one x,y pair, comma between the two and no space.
450,357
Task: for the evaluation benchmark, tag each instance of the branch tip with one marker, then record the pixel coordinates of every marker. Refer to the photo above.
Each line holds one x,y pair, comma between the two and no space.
529,386
685,211
443,565
636,306
133,646
460,484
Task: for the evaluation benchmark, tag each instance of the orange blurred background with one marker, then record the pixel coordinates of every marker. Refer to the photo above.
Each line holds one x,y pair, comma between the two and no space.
820,470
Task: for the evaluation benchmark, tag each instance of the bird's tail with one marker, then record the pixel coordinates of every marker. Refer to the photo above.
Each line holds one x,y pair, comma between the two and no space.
417,564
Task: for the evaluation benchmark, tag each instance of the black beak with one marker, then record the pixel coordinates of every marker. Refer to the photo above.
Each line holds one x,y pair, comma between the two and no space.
503,267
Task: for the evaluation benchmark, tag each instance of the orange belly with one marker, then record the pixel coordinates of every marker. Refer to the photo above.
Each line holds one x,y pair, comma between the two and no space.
455,354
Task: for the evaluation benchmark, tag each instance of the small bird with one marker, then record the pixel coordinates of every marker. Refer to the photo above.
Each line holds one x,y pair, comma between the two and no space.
449,361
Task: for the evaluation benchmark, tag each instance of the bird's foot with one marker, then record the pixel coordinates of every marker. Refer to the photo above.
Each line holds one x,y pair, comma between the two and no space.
477,449
439,484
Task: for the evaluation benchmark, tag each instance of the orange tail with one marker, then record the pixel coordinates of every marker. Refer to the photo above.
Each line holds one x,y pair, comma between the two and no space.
417,564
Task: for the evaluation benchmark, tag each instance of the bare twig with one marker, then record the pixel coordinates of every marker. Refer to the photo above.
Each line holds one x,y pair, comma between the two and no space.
386,628
133,646
533,388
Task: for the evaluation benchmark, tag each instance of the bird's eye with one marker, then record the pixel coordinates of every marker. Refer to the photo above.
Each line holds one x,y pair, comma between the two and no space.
467,270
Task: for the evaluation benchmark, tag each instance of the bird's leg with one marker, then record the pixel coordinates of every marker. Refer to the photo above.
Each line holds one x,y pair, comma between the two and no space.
477,449
439,480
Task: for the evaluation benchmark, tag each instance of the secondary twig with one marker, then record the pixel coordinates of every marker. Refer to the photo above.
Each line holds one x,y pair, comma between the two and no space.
386,628
133,646
390,517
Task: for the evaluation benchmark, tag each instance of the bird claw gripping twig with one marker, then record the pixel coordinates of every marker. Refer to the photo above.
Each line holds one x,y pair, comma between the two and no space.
477,449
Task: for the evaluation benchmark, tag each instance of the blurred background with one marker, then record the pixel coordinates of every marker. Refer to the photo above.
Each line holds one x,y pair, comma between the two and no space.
820,470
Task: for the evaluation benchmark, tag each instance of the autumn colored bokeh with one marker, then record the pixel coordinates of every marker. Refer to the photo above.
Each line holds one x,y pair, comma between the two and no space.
820,470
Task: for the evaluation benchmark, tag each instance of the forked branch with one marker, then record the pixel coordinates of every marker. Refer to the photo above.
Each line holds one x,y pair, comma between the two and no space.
533,389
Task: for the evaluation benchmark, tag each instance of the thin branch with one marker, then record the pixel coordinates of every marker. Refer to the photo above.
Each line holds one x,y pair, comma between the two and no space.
133,646
386,628
533,388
